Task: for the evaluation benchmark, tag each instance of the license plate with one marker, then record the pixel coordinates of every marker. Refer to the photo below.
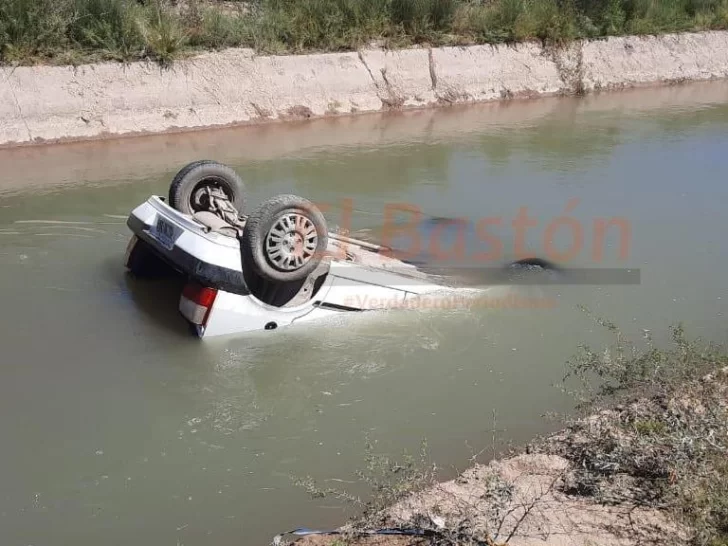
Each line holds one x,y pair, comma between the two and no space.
165,233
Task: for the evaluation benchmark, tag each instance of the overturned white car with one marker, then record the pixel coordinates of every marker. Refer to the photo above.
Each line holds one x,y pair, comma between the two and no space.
274,267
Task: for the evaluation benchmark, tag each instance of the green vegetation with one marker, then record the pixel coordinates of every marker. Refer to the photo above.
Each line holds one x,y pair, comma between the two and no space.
653,435
388,480
662,442
71,31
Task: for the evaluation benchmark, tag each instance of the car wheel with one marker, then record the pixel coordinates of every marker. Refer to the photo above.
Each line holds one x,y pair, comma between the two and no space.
142,262
189,190
285,239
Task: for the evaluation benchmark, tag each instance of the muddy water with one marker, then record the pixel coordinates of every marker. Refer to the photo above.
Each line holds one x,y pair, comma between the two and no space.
119,428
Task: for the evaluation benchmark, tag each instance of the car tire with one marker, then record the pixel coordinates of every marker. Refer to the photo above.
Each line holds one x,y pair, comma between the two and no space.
285,239
143,263
185,194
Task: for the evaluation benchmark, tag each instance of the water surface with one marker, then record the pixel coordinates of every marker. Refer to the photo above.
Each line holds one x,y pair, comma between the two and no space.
119,428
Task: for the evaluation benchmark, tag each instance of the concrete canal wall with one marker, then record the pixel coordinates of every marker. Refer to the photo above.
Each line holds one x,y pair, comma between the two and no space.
47,103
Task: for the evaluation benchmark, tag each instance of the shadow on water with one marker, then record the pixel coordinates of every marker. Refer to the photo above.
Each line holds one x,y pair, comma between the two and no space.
158,299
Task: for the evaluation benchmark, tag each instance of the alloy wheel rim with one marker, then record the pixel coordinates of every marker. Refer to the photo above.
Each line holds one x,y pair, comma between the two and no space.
291,241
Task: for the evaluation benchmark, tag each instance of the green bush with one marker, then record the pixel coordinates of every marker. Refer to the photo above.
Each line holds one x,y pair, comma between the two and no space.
653,17
519,20
163,32
32,28
318,24
216,30
418,17
77,30
108,26
667,427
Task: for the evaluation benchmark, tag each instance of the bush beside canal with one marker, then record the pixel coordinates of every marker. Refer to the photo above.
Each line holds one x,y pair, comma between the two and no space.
75,31
645,464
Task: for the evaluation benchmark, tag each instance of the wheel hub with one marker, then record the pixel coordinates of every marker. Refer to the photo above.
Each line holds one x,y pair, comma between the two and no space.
291,241
205,195
201,198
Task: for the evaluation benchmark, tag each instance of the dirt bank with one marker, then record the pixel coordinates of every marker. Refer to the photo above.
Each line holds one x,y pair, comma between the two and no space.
46,103
651,471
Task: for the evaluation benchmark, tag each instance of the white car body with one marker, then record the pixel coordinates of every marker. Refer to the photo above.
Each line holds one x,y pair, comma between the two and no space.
355,276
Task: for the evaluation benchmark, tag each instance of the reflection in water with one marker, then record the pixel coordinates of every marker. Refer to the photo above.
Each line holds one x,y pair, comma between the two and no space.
111,412
558,145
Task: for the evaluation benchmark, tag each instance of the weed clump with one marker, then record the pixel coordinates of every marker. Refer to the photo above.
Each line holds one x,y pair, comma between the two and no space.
71,31
657,435
388,480
652,440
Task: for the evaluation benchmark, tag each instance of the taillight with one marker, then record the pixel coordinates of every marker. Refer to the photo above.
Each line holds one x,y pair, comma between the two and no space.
196,302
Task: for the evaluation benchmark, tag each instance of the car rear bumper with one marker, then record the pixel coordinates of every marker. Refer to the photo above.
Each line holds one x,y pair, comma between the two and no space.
208,274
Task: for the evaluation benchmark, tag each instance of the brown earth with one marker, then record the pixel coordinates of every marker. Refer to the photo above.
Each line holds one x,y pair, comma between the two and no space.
612,479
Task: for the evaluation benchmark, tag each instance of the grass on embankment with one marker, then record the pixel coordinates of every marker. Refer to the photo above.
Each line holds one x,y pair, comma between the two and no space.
73,31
